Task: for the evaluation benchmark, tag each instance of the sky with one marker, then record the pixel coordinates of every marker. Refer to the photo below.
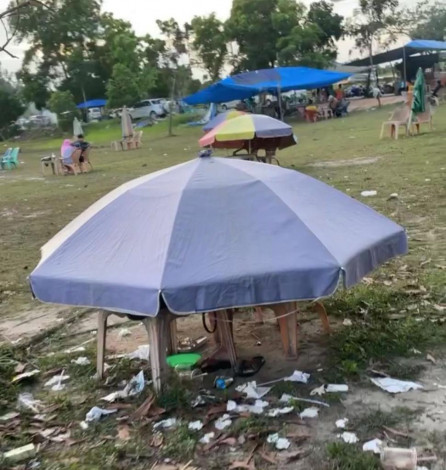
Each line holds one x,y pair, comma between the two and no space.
142,14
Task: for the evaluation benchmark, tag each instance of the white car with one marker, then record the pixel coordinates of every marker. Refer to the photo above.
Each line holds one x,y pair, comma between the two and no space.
228,105
152,109
94,114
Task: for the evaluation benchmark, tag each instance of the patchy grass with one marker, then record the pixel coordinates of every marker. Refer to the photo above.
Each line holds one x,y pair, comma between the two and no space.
374,421
180,444
348,457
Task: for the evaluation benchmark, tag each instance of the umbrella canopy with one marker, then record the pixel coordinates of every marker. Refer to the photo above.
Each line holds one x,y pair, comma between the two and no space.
222,117
98,103
275,80
126,123
210,234
419,93
77,127
263,131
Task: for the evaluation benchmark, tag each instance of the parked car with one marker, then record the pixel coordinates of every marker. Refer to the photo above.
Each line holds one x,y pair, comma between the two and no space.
151,108
94,114
228,105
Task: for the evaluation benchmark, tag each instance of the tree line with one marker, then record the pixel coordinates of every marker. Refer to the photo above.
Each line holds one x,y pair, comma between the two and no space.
76,49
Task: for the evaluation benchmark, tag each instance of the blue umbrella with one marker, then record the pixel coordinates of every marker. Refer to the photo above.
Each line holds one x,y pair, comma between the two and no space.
210,234
276,80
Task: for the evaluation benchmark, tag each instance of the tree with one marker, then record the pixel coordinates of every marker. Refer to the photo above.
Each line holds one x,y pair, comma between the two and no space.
12,108
311,41
13,14
63,35
62,103
210,44
122,88
431,19
378,21
272,32
250,25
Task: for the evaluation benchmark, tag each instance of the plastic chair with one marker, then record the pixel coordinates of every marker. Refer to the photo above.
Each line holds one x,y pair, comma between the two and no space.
399,118
10,159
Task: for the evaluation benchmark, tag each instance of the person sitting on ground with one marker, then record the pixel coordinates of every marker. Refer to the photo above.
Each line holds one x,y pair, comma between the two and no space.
84,148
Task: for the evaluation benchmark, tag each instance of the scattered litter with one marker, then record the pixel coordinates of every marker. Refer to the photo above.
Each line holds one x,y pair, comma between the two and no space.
393,196
330,388
369,193
223,422
207,438
61,437
124,332
347,322
285,398
165,423
341,423
427,180
134,387
81,361
21,453
9,416
373,446
96,413
142,353
257,408
56,382
298,376
311,412
252,390
431,358
83,425
349,437
27,401
25,375
74,350
416,351
395,386
281,443
395,457
195,425
335,388
280,411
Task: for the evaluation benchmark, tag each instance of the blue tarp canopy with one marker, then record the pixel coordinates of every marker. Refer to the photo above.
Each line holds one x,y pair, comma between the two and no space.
427,45
245,85
92,104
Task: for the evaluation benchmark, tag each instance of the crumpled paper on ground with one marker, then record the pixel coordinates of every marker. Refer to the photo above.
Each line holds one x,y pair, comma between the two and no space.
281,443
165,423
96,413
373,446
195,425
329,388
252,390
311,412
81,361
394,385
134,387
207,438
298,376
26,401
341,423
274,412
257,408
223,422
349,437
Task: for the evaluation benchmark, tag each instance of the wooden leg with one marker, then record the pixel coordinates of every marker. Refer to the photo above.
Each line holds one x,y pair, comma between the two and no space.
382,131
320,309
157,329
288,327
173,341
224,327
101,343
258,314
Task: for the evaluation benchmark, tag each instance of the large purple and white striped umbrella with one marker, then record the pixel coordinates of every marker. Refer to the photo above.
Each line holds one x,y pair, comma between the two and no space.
214,233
